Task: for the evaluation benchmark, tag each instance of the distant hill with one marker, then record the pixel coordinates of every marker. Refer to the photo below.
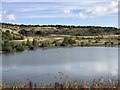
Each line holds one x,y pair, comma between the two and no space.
29,30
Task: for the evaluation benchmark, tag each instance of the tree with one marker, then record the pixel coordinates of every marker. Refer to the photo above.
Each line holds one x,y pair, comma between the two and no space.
35,43
23,43
82,44
8,46
31,47
40,33
112,43
68,41
45,44
105,43
28,43
6,35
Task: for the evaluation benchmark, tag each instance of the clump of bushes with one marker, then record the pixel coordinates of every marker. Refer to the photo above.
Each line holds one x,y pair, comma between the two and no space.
31,47
32,44
35,43
68,41
19,47
8,46
45,44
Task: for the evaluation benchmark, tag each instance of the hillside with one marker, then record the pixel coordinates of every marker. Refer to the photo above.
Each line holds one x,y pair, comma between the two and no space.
32,36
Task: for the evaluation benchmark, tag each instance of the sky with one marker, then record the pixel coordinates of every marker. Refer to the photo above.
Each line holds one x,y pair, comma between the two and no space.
64,12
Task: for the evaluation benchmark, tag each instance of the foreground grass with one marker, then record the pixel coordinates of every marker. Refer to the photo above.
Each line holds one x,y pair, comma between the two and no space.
66,84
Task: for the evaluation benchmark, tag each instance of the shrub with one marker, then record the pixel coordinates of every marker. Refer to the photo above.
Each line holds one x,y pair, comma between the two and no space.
68,41
105,43
8,46
82,44
96,41
31,47
8,49
35,43
19,48
28,43
45,44
40,33
6,35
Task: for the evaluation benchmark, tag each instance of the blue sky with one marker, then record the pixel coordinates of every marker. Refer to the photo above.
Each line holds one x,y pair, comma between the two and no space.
65,12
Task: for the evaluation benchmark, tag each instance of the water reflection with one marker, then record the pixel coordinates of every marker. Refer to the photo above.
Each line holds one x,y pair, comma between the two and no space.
44,65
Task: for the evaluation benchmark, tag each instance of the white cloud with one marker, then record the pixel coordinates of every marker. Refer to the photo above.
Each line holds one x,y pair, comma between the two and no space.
58,0
99,11
81,15
11,17
67,11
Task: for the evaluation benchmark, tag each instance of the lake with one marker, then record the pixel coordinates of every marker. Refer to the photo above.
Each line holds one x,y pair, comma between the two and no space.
56,64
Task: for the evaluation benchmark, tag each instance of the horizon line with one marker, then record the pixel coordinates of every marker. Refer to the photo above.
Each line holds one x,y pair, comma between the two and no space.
56,24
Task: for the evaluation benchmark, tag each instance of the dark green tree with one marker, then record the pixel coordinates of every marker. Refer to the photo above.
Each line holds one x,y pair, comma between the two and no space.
35,43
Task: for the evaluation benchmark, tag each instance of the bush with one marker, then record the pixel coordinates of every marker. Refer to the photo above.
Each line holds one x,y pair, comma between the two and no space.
7,35
56,43
8,49
28,43
68,41
8,46
82,44
19,48
96,41
112,43
23,43
40,33
105,43
26,32
35,43
45,44
31,47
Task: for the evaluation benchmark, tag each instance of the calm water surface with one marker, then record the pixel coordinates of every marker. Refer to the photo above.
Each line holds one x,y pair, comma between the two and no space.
50,65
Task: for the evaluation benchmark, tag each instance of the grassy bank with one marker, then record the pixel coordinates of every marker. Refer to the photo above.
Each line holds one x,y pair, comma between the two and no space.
64,41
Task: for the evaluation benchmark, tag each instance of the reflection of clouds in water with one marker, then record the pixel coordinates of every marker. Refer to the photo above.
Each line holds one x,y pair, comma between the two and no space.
79,68
60,56
74,70
68,67
94,67
103,68
75,62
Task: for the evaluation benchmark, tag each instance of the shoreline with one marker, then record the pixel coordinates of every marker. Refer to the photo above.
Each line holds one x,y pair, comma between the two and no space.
53,47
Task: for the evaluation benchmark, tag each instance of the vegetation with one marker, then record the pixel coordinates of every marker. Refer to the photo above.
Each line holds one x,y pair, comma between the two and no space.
35,43
45,44
97,84
40,33
7,35
68,41
8,46
19,47
18,37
